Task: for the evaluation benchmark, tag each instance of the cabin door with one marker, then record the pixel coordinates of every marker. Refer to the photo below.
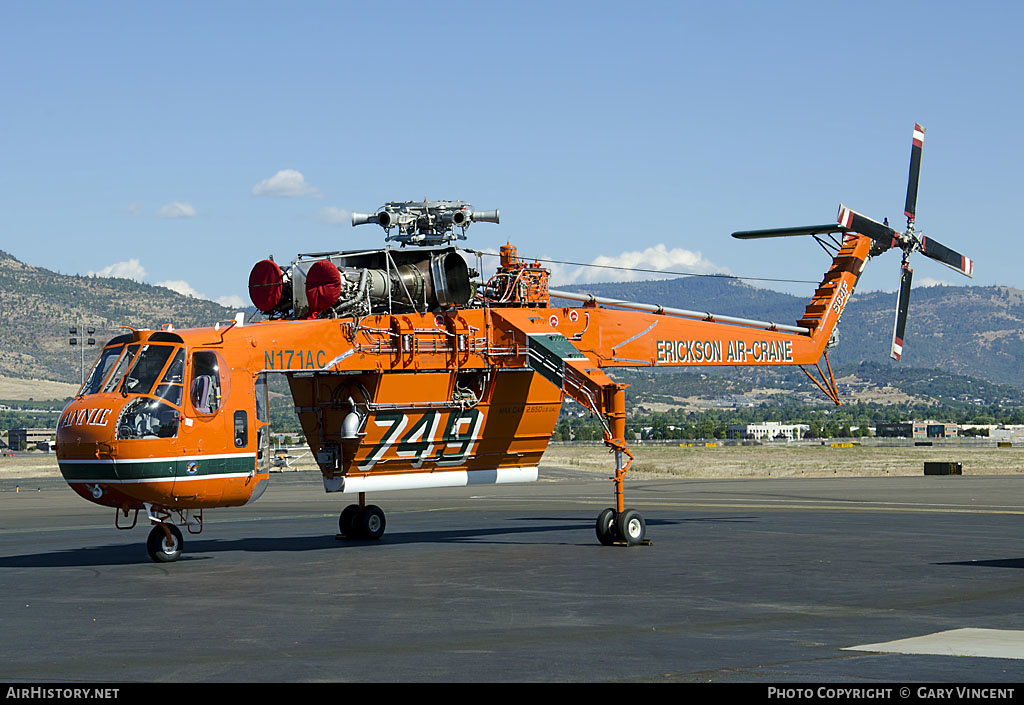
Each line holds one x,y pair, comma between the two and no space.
263,458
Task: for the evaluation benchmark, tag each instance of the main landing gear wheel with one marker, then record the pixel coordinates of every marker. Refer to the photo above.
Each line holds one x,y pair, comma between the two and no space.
362,523
605,528
370,522
631,527
626,528
163,549
346,522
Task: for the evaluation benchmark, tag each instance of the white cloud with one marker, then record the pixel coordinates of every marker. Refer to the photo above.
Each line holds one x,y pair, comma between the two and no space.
131,269
655,260
286,183
232,301
177,209
185,289
931,281
332,215
182,287
920,283
134,208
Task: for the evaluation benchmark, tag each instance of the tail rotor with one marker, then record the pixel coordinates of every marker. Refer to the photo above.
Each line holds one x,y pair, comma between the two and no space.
887,238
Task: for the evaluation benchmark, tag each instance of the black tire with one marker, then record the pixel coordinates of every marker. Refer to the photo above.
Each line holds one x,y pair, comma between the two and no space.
159,549
346,522
370,522
606,531
631,527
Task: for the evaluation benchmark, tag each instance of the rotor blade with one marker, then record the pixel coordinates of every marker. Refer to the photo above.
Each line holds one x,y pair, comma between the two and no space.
951,258
902,304
852,220
786,232
915,173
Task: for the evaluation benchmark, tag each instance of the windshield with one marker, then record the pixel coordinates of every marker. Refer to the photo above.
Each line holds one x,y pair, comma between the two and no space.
142,376
99,371
171,384
126,360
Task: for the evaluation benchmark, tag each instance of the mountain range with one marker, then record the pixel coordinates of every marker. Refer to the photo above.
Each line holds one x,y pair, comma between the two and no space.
970,331
964,330
38,308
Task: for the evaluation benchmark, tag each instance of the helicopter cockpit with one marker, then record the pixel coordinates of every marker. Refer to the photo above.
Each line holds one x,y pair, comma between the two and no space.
152,371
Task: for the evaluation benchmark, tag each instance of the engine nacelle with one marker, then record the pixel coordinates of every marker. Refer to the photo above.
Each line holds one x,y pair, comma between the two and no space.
414,281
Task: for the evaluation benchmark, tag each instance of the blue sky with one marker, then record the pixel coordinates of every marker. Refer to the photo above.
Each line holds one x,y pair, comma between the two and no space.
182,142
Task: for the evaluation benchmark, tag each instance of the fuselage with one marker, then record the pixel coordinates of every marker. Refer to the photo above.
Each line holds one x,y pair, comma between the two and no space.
179,418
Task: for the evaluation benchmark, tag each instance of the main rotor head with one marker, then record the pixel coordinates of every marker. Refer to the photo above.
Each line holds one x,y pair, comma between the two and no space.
425,223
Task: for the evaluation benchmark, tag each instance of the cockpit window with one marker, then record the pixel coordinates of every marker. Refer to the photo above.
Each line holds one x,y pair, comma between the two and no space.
125,361
146,417
171,384
99,371
143,374
205,389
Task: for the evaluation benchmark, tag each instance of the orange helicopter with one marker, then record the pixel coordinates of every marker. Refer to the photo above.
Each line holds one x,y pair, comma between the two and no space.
408,372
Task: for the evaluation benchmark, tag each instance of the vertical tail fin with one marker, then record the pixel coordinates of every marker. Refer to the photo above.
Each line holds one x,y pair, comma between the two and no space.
829,300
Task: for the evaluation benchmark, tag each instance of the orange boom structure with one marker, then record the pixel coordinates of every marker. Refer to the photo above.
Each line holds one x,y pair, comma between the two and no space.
406,371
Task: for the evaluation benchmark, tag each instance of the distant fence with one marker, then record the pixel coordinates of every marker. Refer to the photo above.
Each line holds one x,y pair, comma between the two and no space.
810,442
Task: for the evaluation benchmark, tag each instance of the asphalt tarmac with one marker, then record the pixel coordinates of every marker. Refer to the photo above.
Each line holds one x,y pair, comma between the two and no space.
764,581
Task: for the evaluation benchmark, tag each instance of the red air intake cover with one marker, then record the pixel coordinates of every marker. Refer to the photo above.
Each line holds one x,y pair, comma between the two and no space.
323,286
266,285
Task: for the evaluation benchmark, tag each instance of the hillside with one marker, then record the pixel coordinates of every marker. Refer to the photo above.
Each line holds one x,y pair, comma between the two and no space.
38,306
971,331
962,340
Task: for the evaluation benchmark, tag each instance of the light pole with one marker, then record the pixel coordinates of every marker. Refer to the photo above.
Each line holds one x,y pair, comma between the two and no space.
81,340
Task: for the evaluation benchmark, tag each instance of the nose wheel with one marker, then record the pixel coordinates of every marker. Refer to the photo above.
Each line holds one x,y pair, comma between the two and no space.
165,543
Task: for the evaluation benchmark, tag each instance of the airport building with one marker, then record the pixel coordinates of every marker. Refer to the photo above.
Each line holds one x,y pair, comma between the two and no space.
23,438
917,429
768,431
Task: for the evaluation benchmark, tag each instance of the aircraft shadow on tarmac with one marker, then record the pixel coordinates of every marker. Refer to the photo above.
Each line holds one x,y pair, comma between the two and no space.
995,563
204,549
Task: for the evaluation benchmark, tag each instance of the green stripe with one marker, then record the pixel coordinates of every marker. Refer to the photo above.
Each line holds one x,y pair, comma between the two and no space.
164,469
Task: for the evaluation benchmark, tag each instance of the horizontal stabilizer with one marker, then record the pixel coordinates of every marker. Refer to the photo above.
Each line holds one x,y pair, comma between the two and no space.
787,232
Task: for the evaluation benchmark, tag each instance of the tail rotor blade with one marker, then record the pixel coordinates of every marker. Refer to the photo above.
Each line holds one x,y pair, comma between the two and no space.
852,220
915,173
951,258
902,305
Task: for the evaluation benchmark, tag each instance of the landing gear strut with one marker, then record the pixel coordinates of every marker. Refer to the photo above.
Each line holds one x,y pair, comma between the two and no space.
619,526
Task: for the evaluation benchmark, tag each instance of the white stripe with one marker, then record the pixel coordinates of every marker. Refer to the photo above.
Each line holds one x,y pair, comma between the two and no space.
918,135
125,461
844,216
426,480
141,481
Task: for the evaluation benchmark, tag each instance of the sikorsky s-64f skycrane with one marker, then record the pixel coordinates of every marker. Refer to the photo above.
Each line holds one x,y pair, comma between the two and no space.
409,371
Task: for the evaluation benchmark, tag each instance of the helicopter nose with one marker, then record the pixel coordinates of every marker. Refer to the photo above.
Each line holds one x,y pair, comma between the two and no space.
85,430
85,449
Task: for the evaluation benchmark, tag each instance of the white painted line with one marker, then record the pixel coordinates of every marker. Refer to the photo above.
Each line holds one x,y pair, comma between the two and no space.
986,643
